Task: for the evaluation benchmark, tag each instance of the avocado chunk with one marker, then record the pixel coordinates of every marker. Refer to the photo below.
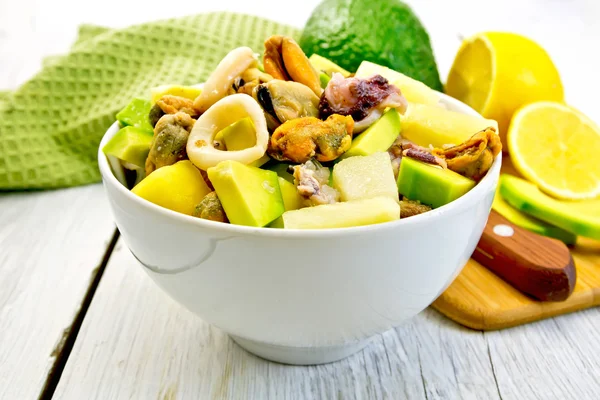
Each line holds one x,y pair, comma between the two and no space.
178,187
289,192
428,125
413,90
430,184
578,217
130,145
377,137
239,136
250,196
363,177
136,114
343,215
322,64
530,223
188,92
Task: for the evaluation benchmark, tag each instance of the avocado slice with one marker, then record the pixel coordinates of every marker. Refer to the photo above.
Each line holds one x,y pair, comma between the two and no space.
189,92
289,192
178,187
364,177
130,144
250,196
578,217
327,66
430,184
377,137
530,223
343,215
136,114
239,136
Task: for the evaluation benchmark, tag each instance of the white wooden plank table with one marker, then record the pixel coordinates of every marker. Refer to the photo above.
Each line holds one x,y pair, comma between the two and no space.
136,343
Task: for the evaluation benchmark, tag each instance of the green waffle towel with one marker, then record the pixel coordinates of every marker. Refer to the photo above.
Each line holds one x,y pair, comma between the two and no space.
50,128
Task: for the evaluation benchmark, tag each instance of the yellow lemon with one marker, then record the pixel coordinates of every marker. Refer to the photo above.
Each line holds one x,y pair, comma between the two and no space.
557,148
497,72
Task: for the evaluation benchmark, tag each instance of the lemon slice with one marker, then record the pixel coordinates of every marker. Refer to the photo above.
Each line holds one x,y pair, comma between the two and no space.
498,72
557,148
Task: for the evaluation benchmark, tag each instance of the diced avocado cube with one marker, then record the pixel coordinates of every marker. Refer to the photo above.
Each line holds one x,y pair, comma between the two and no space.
578,217
363,177
136,114
189,92
291,198
430,184
130,144
178,187
325,65
343,215
530,223
377,137
281,169
240,135
250,196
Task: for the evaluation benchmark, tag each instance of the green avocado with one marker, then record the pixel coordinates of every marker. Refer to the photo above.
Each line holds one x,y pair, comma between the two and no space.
239,135
291,198
136,114
530,223
578,217
429,184
377,137
129,144
386,32
250,196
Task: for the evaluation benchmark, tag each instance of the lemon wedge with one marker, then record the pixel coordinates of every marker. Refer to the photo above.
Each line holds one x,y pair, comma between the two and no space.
498,72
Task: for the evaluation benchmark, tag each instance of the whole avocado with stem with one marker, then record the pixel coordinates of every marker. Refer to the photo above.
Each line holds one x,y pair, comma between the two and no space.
386,32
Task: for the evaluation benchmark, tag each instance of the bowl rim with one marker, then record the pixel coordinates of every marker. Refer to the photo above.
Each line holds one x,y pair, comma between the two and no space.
465,201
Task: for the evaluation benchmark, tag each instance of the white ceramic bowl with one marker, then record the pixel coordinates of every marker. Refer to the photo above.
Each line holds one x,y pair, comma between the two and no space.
303,296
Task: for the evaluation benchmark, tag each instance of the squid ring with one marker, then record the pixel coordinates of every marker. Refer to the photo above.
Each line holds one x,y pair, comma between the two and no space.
200,148
218,83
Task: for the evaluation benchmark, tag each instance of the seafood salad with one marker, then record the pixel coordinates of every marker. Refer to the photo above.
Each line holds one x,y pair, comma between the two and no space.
292,142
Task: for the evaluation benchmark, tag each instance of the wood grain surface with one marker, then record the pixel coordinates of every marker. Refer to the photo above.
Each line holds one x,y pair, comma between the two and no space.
136,343
480,299
51,245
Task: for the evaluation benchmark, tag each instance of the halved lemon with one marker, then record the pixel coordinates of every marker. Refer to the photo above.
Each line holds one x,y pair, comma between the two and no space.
558,148
497,72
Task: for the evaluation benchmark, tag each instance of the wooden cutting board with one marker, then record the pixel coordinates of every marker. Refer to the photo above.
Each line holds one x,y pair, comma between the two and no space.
481,300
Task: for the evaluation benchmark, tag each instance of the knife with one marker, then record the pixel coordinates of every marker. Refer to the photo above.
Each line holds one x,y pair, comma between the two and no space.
538,266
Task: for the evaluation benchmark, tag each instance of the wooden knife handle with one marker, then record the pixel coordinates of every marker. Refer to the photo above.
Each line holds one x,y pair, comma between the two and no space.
536,265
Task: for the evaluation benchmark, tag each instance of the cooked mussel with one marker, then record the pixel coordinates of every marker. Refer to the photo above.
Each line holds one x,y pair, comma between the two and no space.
285,60
286,100
169,142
